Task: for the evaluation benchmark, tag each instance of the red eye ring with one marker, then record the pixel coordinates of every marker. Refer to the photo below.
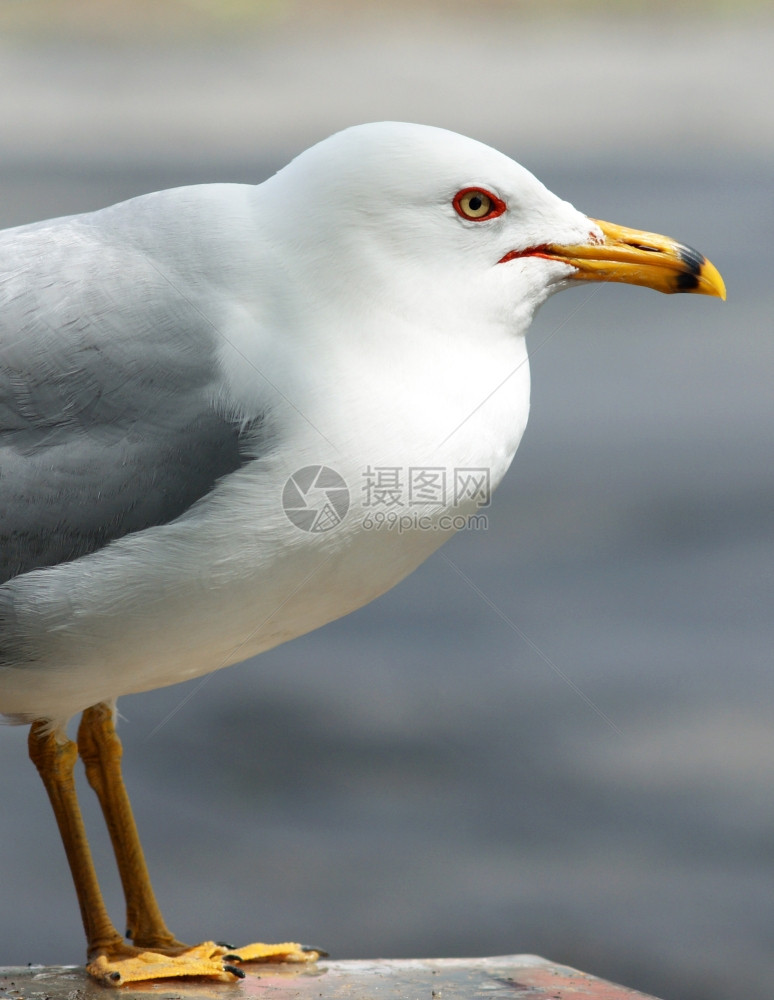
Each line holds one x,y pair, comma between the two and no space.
490,204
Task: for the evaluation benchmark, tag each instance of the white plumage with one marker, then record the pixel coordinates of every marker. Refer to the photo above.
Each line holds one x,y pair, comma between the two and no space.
341,312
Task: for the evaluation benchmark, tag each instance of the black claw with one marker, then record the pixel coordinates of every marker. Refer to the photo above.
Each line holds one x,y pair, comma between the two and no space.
225,944
235,971
306,948
230,958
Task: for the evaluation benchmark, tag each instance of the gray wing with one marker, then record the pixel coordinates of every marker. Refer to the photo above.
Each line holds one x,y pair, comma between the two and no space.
107,373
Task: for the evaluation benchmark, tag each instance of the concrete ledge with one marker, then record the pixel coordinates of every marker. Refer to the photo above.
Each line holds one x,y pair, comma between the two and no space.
508,976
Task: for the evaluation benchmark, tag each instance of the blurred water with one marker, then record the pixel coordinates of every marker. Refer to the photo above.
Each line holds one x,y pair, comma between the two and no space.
422,779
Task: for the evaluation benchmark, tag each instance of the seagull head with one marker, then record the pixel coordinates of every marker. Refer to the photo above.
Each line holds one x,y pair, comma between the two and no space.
443,225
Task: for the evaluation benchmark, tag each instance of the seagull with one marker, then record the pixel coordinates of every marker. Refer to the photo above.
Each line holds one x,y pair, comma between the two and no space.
233,413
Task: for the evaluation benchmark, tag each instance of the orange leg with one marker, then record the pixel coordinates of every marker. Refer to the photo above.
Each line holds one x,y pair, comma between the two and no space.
156,953
100,750
54,759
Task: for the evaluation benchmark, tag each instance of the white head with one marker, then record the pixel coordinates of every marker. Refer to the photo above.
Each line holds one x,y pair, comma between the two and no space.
444,225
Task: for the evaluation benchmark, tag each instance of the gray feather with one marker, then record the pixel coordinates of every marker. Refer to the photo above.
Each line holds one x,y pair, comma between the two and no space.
107,376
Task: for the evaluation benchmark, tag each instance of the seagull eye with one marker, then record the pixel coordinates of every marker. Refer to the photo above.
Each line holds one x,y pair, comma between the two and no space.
477,204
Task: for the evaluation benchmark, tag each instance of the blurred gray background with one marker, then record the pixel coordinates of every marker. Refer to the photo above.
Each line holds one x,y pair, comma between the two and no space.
593,784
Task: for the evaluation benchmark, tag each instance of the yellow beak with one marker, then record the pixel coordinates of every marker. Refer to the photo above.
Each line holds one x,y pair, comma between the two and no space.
638,258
